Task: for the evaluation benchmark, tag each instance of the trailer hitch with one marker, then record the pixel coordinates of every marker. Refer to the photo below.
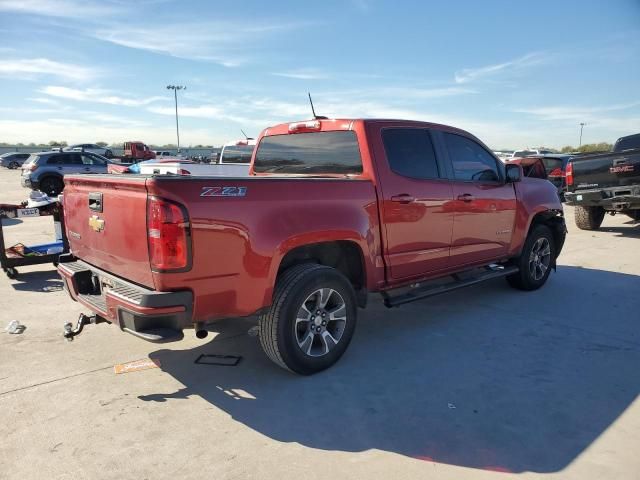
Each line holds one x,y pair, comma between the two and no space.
70,332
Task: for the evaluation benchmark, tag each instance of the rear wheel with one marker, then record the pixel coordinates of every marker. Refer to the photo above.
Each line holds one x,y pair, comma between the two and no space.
311,320
535,261
589,218
52,186
13,165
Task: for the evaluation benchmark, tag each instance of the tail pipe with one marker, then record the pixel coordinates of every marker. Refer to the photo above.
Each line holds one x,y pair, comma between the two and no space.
201,332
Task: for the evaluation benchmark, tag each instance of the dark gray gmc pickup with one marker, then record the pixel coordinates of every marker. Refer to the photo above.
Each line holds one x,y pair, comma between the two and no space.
605,182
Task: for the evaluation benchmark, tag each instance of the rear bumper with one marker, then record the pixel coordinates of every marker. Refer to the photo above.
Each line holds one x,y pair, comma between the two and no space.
28,183
150,315
614,198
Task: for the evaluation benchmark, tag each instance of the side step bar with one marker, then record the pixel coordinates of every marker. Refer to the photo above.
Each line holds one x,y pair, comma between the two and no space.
458,280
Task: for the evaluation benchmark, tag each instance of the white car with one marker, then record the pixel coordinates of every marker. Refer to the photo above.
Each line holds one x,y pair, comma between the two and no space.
91,148
163,153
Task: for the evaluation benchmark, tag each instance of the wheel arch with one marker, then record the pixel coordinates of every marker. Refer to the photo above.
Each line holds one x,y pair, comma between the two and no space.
346,256
554,219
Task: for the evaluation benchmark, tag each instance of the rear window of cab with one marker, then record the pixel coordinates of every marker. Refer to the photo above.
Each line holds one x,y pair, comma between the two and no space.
316,152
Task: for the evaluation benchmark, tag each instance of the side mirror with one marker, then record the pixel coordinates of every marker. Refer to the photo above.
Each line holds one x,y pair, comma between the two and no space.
513,173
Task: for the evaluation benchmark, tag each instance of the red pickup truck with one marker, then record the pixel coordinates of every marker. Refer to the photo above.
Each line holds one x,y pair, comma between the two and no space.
331,210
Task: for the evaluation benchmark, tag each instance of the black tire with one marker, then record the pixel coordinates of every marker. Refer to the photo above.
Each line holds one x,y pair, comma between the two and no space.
11,272
526,278
279,331
14,165
589,218
108,154
52,186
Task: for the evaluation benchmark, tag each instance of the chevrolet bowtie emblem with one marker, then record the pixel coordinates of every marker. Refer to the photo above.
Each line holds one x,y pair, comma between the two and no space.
96,223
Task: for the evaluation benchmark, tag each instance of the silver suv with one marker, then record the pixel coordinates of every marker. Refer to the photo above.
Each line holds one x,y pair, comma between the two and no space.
45,171
91,148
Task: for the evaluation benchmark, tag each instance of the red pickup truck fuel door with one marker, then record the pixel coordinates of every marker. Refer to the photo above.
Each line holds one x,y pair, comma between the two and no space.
485,206
416,201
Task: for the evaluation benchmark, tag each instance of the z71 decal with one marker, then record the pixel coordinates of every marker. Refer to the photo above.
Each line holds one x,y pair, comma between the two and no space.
223,191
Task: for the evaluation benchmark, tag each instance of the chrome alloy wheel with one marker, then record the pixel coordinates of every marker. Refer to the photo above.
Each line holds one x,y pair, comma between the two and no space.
320,322
540,258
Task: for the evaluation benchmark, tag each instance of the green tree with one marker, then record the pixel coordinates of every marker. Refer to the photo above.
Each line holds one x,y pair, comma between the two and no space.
595,147
102,144
55,143
567,149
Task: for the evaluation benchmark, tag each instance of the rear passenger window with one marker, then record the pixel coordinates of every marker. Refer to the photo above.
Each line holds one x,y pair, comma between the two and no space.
470,161
72,159
410,152
55,160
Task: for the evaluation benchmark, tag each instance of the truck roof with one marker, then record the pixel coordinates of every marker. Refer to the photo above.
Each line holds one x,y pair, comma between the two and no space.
330,124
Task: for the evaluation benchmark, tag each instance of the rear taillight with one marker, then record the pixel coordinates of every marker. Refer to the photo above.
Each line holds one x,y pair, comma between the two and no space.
569,173
169,235
30,167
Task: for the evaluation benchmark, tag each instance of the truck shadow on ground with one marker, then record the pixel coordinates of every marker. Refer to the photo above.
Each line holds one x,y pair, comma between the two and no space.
488,377
632,230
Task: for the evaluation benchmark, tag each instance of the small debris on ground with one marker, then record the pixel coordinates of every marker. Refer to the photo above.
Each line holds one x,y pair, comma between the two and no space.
136,365
451,406
15,328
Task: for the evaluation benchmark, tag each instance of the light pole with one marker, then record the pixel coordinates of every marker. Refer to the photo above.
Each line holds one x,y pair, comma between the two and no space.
582,124
175,89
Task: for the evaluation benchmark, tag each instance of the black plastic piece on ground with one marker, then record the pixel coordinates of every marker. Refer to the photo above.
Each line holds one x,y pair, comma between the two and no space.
219,360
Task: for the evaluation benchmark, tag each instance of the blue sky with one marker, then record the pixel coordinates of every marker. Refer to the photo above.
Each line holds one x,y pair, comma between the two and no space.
513,73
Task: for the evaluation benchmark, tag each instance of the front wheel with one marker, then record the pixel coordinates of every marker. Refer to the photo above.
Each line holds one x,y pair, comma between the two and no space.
535,261
311,320
14,165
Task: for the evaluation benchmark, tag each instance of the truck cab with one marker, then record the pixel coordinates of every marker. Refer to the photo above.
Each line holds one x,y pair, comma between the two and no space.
137,151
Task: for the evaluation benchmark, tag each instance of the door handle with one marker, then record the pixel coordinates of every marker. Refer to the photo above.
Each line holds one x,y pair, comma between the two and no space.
404,198
466,197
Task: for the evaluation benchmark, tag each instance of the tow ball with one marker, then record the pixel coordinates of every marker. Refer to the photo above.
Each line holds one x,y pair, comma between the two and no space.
70,332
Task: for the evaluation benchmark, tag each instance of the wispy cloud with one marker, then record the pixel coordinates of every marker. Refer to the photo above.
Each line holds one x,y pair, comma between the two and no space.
113,130
33,67
212,112
563,112
98,95
304,74
62,8
362,5
472,74
228,43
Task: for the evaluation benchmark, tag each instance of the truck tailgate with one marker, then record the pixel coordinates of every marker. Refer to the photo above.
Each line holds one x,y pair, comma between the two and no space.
106,222
606,170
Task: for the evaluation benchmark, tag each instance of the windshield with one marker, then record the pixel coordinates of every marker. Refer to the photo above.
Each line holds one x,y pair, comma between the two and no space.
318,152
